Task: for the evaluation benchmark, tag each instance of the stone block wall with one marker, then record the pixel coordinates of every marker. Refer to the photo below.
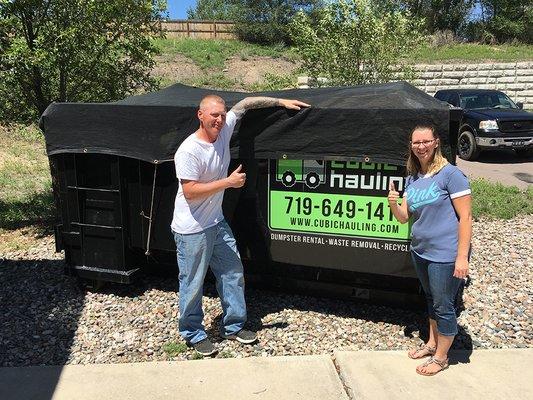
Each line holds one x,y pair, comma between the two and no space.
514,79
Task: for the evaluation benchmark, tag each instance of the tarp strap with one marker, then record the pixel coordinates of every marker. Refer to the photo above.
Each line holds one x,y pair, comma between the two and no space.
147,252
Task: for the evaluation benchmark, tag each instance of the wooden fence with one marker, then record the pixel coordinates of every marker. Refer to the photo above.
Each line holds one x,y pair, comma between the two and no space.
198,29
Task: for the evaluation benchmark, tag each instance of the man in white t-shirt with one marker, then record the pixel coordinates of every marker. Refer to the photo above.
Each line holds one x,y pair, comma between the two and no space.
202,236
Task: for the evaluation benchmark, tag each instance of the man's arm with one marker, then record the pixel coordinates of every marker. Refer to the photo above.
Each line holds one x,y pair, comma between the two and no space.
193,190
250,103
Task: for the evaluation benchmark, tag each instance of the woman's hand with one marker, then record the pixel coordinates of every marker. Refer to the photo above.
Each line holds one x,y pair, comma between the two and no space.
393,195
461,267
399,211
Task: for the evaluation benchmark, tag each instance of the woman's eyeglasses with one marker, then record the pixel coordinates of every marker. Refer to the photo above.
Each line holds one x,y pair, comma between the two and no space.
424,143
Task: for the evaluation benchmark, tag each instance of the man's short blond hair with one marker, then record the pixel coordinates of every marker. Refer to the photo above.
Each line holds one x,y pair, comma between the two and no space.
211,98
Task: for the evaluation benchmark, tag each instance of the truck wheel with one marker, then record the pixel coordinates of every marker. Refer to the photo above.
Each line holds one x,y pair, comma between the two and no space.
467,147
288,178
312,180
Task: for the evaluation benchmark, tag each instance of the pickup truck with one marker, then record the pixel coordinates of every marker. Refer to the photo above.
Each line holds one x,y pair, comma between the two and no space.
491,120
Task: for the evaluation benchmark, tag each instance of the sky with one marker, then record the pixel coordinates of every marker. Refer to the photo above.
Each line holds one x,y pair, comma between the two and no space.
177,9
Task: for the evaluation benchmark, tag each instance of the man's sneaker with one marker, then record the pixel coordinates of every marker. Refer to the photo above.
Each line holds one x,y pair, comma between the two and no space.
243,336
204,347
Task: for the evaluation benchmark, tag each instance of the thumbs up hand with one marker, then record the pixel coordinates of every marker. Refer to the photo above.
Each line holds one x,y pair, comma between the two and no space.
237,178
393,194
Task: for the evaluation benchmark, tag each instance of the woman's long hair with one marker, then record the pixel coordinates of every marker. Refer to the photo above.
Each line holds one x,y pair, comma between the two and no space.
438,161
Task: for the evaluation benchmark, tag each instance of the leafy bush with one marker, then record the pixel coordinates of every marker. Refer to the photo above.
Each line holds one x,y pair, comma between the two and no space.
71,50
261,32
267,22
352,42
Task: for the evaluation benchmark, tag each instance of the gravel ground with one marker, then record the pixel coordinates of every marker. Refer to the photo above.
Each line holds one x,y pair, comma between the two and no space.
48,319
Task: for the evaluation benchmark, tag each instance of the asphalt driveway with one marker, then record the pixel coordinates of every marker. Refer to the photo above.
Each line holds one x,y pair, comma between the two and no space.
500,166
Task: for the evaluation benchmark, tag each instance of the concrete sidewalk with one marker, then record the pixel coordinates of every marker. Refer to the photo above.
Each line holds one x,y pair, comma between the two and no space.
483,374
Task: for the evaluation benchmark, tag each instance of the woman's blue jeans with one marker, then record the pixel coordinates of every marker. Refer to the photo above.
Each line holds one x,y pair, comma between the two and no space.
214,247
440,288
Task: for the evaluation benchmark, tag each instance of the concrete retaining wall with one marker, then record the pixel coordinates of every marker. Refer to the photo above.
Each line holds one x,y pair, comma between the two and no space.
515,79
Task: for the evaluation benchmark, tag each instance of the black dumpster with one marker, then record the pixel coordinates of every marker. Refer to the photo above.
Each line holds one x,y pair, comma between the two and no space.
313,215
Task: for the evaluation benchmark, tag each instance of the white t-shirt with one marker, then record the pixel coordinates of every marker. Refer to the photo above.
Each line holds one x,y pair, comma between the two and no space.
204,162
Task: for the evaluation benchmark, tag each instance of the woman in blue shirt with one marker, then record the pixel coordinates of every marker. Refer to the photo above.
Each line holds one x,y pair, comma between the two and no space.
438,199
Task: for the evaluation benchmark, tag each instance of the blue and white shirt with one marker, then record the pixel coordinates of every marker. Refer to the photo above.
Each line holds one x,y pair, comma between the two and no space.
434,232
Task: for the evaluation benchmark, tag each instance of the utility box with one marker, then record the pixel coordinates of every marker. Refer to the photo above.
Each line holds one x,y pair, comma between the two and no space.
313,215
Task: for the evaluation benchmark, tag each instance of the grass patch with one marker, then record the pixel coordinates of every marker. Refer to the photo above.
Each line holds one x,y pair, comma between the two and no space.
275,82
35,209
214,81
496,201
165,82
173,349
26,195
196,356
212,53
225,354
472,52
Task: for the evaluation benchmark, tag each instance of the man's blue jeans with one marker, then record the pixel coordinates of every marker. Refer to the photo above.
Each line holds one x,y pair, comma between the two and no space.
214,247
440,288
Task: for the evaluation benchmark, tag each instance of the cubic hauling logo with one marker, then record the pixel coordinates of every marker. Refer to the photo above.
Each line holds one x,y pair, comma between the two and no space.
311,172
341,175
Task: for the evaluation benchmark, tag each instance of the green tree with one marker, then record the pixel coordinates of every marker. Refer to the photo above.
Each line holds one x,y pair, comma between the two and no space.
74,50
212,10
256,21
507,20
267,21
352,42
440,15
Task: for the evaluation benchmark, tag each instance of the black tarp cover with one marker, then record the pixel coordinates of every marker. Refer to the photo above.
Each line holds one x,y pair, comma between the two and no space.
370,122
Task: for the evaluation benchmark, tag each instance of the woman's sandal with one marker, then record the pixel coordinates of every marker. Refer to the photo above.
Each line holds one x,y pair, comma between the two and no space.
443,364
421,352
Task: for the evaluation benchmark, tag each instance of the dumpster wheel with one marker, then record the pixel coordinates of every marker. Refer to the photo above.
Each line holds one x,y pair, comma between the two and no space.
288,178
312,180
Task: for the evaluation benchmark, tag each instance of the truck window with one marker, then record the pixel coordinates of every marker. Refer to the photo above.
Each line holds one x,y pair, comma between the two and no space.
454,99
442,96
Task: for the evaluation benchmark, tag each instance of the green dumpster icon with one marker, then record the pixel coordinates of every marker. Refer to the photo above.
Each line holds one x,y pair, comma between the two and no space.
311,172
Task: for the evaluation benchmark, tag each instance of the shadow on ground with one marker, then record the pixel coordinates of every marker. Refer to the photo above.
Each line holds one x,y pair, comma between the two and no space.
262,302
40,312
504,156
40,305
36,210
